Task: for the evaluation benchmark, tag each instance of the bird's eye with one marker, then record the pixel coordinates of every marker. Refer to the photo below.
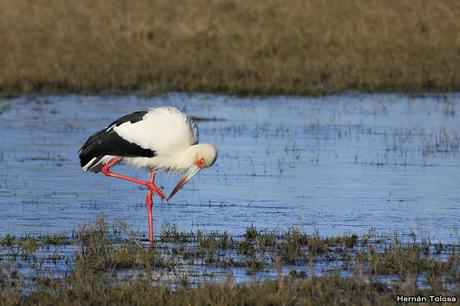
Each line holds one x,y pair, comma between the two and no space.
200,163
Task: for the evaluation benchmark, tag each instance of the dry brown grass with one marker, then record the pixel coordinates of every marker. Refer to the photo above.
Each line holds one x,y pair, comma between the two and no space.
233,46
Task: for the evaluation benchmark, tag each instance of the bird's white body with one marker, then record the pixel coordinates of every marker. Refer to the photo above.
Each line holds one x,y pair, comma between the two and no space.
168,130
169,133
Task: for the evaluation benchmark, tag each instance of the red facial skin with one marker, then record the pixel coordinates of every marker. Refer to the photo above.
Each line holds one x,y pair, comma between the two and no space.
199,163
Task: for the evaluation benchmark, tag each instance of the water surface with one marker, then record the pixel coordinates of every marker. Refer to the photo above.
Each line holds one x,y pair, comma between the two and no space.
337,163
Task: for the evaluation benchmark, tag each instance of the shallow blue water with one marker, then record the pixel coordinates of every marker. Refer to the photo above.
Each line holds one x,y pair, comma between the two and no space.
337,163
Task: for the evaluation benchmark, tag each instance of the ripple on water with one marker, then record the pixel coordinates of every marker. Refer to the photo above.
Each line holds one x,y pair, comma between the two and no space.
337,163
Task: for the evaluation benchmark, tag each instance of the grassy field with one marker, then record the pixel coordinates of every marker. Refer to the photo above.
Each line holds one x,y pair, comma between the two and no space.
108,265
231,46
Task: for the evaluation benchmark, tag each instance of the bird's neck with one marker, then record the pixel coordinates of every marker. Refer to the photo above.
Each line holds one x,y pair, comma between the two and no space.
181,161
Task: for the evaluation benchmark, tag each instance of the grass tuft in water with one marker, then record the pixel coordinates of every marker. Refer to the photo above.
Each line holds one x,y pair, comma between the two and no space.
105,264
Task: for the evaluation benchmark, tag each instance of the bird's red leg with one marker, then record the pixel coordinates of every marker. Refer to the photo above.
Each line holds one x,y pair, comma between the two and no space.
149,203
149,185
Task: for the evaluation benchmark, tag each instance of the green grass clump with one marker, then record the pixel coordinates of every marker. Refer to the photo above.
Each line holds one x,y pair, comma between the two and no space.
409,260
109,265
330,289
55,239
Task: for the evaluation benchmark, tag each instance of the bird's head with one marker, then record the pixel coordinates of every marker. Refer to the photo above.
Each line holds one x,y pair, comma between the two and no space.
204,155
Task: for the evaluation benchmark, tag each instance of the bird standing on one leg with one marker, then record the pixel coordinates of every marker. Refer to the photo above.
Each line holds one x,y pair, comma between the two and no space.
162,138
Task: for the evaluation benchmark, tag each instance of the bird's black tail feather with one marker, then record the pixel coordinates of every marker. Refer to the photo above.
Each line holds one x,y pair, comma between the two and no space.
86,150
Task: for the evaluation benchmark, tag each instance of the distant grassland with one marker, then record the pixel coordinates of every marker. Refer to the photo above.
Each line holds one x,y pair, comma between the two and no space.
232,46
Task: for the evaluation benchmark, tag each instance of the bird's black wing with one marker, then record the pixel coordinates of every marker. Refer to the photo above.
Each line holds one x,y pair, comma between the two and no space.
133,118
108,142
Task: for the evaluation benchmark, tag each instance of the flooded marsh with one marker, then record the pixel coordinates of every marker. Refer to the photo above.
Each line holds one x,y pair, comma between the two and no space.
358,190
111,258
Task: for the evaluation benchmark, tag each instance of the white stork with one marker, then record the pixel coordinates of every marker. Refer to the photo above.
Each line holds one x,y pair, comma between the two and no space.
161,138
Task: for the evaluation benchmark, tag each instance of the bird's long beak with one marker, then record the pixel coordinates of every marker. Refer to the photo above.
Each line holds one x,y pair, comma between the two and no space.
190,173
